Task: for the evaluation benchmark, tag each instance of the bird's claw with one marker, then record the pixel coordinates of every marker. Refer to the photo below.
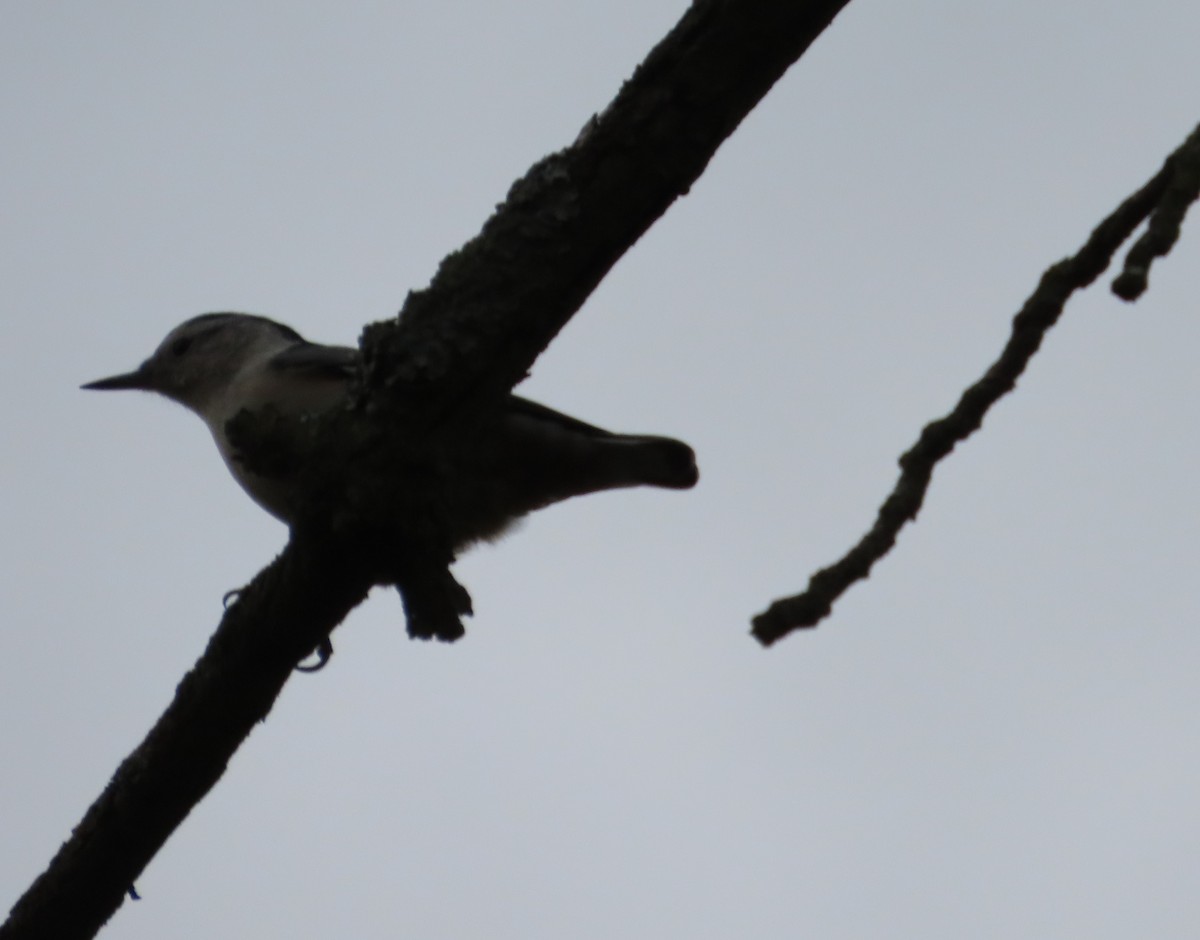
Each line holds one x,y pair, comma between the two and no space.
323,651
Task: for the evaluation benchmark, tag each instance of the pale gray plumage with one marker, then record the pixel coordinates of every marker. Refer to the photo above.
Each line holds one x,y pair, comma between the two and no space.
218,364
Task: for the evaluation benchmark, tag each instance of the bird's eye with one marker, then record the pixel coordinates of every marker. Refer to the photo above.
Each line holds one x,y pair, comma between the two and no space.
181,345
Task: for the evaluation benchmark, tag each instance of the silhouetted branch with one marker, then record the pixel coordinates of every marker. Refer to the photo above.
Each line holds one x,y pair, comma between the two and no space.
1165,221
1167,194
458,347
499,301
276,620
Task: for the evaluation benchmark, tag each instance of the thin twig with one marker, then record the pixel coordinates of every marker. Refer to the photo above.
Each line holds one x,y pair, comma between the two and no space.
1165,222
1040,312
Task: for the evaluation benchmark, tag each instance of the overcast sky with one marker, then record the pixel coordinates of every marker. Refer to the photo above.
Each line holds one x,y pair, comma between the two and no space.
994,737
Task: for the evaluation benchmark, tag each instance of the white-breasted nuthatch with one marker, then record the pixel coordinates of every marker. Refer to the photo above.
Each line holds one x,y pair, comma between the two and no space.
219,364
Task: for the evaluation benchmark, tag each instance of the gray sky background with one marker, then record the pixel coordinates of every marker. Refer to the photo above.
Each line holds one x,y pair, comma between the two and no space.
996,736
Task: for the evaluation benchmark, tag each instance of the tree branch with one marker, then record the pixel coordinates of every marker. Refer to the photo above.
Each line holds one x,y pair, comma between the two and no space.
1165,221
276,621
458,346
1167,195
499,301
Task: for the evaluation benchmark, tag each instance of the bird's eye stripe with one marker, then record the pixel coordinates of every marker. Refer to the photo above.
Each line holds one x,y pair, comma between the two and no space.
180,346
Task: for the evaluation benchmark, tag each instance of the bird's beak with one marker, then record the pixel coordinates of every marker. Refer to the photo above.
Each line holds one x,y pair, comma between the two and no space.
139,379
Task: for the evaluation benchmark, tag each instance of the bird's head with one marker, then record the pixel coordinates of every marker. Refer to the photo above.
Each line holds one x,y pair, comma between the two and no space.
196,362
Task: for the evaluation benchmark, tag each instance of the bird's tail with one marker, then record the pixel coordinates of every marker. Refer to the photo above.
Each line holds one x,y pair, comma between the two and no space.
537,462
642,460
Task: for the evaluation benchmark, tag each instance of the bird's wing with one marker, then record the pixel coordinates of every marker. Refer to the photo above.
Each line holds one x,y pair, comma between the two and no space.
523,407
343,362
329,362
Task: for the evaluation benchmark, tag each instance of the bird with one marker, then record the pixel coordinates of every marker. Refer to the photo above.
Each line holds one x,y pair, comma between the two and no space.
524,457
530,456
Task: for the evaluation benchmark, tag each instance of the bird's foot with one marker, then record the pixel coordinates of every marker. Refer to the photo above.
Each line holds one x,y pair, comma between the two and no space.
323,651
